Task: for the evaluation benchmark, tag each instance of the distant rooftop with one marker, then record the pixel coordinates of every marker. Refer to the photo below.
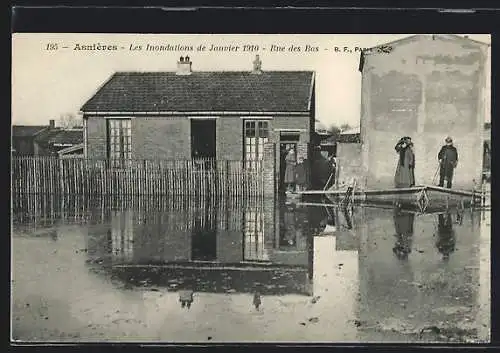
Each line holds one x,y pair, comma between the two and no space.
27,130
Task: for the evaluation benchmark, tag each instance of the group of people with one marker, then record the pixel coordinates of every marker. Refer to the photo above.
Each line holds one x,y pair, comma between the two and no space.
405,170
297,176
296,171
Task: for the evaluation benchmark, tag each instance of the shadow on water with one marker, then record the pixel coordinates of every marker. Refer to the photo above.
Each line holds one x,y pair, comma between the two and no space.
372,274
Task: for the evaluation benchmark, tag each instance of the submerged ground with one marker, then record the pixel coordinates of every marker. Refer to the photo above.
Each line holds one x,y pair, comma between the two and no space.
115,272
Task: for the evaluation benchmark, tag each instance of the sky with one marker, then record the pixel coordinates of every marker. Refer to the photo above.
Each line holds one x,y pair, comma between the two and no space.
47,84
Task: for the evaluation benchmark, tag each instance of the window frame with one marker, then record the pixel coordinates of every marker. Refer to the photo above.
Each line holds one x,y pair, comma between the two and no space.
253,145
118,142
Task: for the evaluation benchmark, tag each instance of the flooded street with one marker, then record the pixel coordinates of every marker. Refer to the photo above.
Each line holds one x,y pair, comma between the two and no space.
191,271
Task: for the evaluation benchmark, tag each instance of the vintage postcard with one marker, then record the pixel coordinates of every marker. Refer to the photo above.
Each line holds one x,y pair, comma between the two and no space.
251,188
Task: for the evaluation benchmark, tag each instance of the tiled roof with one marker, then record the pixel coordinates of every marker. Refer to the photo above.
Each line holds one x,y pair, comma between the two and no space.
69,137
274,91
26,130
44,136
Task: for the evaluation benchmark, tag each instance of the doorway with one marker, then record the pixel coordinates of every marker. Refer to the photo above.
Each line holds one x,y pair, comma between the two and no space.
203,139
288,147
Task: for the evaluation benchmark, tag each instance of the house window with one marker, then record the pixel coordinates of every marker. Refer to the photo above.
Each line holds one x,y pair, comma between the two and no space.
120,141
256,135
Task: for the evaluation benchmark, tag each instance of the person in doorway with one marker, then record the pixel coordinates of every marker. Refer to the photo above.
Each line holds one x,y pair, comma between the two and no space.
302,174
405,170
448,160
290,165
446,239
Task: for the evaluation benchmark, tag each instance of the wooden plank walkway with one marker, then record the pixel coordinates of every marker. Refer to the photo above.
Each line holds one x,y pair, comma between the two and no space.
393,191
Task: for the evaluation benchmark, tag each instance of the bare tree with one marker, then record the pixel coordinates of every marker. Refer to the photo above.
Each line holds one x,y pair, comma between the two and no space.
344,127
335,130
68,121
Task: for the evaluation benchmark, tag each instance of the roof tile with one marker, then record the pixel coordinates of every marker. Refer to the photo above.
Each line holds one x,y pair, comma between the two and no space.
274,91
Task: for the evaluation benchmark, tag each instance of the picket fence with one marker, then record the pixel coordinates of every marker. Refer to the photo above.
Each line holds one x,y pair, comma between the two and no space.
200,177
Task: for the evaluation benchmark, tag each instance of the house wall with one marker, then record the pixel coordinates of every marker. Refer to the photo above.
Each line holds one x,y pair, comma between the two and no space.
161,138
302,123
96,137
229,135
170,137
445,81
24,146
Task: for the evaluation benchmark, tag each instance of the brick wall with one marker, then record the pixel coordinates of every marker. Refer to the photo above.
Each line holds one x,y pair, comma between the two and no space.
229,137
161,137
292,122
170,137
269,170
96,138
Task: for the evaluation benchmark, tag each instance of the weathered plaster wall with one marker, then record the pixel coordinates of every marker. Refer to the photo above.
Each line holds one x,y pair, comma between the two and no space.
348,162
427,89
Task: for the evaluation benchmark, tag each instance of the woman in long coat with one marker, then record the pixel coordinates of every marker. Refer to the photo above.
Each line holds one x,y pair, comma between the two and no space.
290,169
405,171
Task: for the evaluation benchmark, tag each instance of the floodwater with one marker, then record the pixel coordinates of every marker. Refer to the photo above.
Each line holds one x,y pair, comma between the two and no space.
178,270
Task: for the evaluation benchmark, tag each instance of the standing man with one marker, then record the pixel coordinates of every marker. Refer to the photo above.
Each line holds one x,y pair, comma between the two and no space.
448,159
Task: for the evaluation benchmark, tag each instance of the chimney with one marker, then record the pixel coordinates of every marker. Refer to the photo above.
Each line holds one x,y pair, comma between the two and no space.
257,65
184,66
52,123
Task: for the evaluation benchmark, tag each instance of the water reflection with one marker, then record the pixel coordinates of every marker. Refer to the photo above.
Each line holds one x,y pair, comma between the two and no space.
445,235
403,223
369,273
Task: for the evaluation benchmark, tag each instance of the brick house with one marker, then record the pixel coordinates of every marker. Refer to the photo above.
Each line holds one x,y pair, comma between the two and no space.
184,114
27,140
44,140
426,87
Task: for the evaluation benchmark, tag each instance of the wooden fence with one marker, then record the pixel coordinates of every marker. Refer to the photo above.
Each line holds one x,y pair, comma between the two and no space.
200,177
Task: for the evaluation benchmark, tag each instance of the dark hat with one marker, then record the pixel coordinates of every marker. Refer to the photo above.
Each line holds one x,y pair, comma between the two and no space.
448,139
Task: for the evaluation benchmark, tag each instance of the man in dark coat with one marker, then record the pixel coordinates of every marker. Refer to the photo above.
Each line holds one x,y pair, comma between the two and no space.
448,159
